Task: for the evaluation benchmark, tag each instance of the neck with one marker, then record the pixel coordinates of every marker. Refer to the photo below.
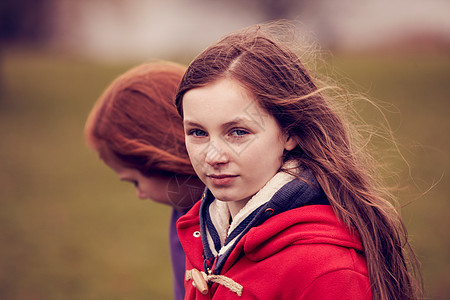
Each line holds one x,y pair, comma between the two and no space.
234,207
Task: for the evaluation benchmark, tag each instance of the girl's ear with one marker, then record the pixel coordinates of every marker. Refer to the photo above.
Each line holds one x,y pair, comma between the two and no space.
290,143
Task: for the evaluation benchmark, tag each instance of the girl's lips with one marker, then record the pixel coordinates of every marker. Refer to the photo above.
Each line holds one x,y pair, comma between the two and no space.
221,180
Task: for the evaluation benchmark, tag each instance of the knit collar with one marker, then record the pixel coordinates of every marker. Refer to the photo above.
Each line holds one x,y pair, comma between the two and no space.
220,216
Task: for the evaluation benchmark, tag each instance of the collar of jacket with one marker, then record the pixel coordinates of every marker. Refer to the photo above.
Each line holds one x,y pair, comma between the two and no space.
282,193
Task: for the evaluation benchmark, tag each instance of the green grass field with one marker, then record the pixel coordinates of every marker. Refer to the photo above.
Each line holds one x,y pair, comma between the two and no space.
70,230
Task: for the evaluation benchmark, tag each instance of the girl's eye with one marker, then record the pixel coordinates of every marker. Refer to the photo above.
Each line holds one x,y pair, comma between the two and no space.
238,132
135,183
197,133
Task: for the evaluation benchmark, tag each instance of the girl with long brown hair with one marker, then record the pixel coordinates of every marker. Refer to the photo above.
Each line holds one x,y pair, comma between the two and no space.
136,130
293,208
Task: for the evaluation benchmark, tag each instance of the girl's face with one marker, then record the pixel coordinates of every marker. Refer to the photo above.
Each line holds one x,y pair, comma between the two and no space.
146,187
234,145
178,190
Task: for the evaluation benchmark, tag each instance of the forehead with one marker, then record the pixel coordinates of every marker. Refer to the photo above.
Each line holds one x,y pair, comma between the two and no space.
221,100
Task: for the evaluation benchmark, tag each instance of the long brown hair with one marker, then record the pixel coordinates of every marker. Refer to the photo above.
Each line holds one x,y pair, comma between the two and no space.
136,122
280,83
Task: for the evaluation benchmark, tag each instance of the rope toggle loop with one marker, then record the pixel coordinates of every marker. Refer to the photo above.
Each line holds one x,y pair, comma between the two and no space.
200,281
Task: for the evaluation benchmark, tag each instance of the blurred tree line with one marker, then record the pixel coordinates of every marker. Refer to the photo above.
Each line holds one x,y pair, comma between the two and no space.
29,20
24,20
280,9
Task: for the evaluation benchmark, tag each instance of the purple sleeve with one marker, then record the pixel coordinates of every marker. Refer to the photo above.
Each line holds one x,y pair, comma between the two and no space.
177,256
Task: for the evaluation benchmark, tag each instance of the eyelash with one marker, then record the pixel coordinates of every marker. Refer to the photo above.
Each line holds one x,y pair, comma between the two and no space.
235,133
195,132
242,131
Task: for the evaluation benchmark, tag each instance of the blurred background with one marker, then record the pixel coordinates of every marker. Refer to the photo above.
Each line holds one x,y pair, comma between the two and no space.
70,230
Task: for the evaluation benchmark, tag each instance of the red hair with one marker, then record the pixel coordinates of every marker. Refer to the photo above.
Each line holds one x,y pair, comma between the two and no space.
135,121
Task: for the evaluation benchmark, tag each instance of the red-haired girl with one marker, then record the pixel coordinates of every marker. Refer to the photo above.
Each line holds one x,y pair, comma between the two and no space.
292,209
136,130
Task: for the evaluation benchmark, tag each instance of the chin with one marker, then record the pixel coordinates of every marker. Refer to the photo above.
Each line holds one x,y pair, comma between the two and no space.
221,196
226,197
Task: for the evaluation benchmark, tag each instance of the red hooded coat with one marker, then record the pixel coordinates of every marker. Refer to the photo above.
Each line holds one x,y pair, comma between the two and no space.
303,253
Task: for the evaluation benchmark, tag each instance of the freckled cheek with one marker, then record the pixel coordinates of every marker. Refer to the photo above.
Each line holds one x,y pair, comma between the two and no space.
263,155
196,155
190,150
255,150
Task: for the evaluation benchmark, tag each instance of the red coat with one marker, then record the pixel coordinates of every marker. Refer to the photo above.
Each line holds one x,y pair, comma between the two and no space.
304,253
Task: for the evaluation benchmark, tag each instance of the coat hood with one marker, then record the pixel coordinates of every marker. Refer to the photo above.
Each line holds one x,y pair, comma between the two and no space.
312,224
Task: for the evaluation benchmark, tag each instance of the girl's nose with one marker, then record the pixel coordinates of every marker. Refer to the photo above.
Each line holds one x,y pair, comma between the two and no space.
215,154
140,194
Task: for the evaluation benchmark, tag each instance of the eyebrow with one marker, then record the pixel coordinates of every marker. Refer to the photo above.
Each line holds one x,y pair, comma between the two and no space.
192,124
237,121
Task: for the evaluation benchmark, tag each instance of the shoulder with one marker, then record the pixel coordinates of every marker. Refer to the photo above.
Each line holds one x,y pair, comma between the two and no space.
308,225
312,247
339,284
304,271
